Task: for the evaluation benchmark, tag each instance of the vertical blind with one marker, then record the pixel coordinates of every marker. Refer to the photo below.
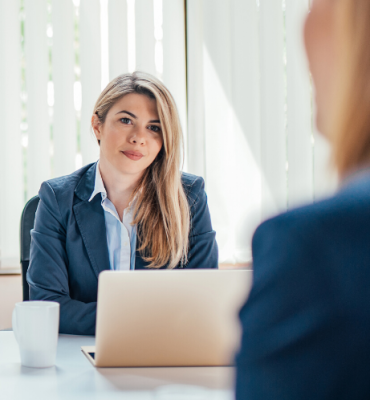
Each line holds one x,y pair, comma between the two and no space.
236,69
251,130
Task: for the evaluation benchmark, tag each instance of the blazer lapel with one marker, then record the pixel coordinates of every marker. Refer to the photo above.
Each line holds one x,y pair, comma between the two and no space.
139,262
91,222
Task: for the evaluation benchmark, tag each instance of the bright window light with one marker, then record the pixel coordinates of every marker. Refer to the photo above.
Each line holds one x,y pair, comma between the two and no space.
77,93
158,34
104,43
131,35
50,95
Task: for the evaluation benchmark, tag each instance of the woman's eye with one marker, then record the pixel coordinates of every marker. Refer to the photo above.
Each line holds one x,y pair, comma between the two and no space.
154,128
126,121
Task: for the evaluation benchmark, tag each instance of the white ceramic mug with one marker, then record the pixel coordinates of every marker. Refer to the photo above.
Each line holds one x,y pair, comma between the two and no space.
36,326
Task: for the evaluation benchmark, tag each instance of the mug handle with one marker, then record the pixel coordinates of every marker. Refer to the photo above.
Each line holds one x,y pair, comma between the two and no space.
14,324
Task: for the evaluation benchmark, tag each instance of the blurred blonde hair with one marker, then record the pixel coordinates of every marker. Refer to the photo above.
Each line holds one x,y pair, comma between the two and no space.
350,127
161,210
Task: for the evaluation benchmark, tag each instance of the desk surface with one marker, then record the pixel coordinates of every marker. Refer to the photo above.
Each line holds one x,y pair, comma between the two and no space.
74,377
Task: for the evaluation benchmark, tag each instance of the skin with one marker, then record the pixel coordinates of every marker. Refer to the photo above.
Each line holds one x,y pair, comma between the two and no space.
322,53
131,125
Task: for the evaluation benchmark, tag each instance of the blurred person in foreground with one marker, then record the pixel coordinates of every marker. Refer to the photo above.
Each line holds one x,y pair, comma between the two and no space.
306,324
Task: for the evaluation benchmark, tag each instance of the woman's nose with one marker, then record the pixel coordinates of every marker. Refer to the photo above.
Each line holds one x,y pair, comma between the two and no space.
138,136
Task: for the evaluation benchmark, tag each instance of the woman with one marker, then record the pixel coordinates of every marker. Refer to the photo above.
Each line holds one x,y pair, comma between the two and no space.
306,324
133,209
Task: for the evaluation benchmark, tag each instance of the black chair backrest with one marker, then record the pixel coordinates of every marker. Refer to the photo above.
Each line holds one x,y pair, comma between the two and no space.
27,222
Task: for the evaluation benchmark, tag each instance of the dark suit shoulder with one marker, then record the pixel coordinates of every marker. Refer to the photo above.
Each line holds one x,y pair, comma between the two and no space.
337,228
68,182
60,191
193,185
349,206
310,295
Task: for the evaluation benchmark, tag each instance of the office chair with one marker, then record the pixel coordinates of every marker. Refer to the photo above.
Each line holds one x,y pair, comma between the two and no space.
27,222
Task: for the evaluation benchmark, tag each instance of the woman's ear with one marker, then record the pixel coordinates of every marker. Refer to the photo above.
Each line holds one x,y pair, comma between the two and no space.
95,123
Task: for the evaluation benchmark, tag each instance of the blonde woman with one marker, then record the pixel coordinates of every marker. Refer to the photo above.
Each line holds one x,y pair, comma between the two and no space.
306,325
133,209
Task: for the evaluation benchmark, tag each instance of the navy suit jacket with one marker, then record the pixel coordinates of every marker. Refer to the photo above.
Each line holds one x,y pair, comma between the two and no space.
69,245
306,324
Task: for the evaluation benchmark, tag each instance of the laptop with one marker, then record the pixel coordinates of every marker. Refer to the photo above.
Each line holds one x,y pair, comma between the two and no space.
168,318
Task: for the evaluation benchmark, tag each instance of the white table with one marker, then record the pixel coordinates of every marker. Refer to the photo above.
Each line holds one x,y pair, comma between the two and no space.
74,377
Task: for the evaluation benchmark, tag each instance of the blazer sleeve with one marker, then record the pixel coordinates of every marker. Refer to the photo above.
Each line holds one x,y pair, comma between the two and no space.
47,274
288,344
203,250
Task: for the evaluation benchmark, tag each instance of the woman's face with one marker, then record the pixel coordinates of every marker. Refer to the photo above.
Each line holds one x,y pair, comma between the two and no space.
319,35
131,136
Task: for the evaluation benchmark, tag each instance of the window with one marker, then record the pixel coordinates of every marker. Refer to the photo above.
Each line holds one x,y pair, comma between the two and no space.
236,69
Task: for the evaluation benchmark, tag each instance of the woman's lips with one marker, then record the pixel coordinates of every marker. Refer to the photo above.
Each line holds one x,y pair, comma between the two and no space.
133,155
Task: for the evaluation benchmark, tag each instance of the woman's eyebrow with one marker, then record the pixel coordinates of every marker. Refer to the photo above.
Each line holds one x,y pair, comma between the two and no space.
153,121
127,112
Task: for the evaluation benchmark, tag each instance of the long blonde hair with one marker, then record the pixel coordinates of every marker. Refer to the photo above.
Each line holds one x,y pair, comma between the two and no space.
161,210
350,127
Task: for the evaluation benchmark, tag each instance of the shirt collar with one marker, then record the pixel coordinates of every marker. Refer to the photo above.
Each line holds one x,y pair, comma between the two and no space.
99,185
100,188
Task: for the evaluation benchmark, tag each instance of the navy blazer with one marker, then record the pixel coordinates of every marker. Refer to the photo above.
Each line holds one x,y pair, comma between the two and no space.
306,324
69,245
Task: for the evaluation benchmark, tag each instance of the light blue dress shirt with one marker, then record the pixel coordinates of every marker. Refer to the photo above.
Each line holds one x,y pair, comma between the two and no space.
121,235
